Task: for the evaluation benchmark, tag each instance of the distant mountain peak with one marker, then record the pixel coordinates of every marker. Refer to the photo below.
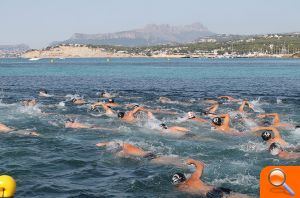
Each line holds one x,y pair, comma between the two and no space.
151,34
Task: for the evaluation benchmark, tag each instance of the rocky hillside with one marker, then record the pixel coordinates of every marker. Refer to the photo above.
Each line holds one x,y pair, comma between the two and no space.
149,35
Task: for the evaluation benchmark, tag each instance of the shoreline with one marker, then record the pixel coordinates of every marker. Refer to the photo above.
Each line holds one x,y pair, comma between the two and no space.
89,52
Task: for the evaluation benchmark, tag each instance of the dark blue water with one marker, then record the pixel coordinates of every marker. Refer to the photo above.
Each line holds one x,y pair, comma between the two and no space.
66,163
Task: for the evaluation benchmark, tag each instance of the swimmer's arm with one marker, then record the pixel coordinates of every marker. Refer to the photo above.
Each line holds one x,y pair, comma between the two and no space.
241,109
213,108
102,144
199,168
289,155
180,128
96,104
228,98
226,121
211,101
199,120
134,111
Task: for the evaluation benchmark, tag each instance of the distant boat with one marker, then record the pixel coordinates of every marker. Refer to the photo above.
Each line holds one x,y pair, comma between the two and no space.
61,58
34,59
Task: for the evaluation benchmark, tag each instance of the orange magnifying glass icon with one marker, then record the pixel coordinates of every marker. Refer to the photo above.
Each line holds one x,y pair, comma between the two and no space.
277,178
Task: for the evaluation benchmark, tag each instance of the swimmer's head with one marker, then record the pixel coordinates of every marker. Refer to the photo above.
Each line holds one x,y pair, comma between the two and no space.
191,115
164,126
121,114
136,106
178,178
111,100
217,121
275,148
44,91
70,120
204,113
150,156
266,135
74,100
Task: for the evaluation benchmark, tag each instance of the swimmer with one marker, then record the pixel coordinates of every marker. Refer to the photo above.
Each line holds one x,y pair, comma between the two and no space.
125,149
166,100
106,95
276,120
224,125
267,136
228,98
276,149
78,101
4,128
192,116
195,186
27,133
173,129
244,104
75,125
29,102
111,102
165,128
129,150
130,116
43,93
70,123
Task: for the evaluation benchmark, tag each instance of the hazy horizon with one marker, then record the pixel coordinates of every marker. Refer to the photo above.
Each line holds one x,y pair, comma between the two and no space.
37,23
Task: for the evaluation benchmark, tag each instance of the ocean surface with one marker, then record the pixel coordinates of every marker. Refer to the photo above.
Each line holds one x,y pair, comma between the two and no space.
66,163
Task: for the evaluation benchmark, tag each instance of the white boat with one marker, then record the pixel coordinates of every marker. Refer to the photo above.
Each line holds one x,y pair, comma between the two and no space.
34,59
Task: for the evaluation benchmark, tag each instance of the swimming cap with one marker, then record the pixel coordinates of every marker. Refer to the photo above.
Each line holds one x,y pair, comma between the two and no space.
217,121
43,91
121,114
178,178
164,126
266,135
111,100
136,106
191,115
275,148
70,120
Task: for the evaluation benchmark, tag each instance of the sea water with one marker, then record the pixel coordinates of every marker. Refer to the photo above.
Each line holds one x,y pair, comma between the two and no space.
66,163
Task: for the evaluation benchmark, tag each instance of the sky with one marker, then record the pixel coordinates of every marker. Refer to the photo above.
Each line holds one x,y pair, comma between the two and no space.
39,22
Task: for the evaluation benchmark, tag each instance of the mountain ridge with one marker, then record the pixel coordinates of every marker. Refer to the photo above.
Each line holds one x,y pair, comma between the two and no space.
151,34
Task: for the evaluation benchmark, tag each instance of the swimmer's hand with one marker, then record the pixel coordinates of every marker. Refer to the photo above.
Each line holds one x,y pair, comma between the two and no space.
196,163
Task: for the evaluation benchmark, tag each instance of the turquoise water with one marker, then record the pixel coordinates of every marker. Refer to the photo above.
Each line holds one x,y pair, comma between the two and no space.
66,163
